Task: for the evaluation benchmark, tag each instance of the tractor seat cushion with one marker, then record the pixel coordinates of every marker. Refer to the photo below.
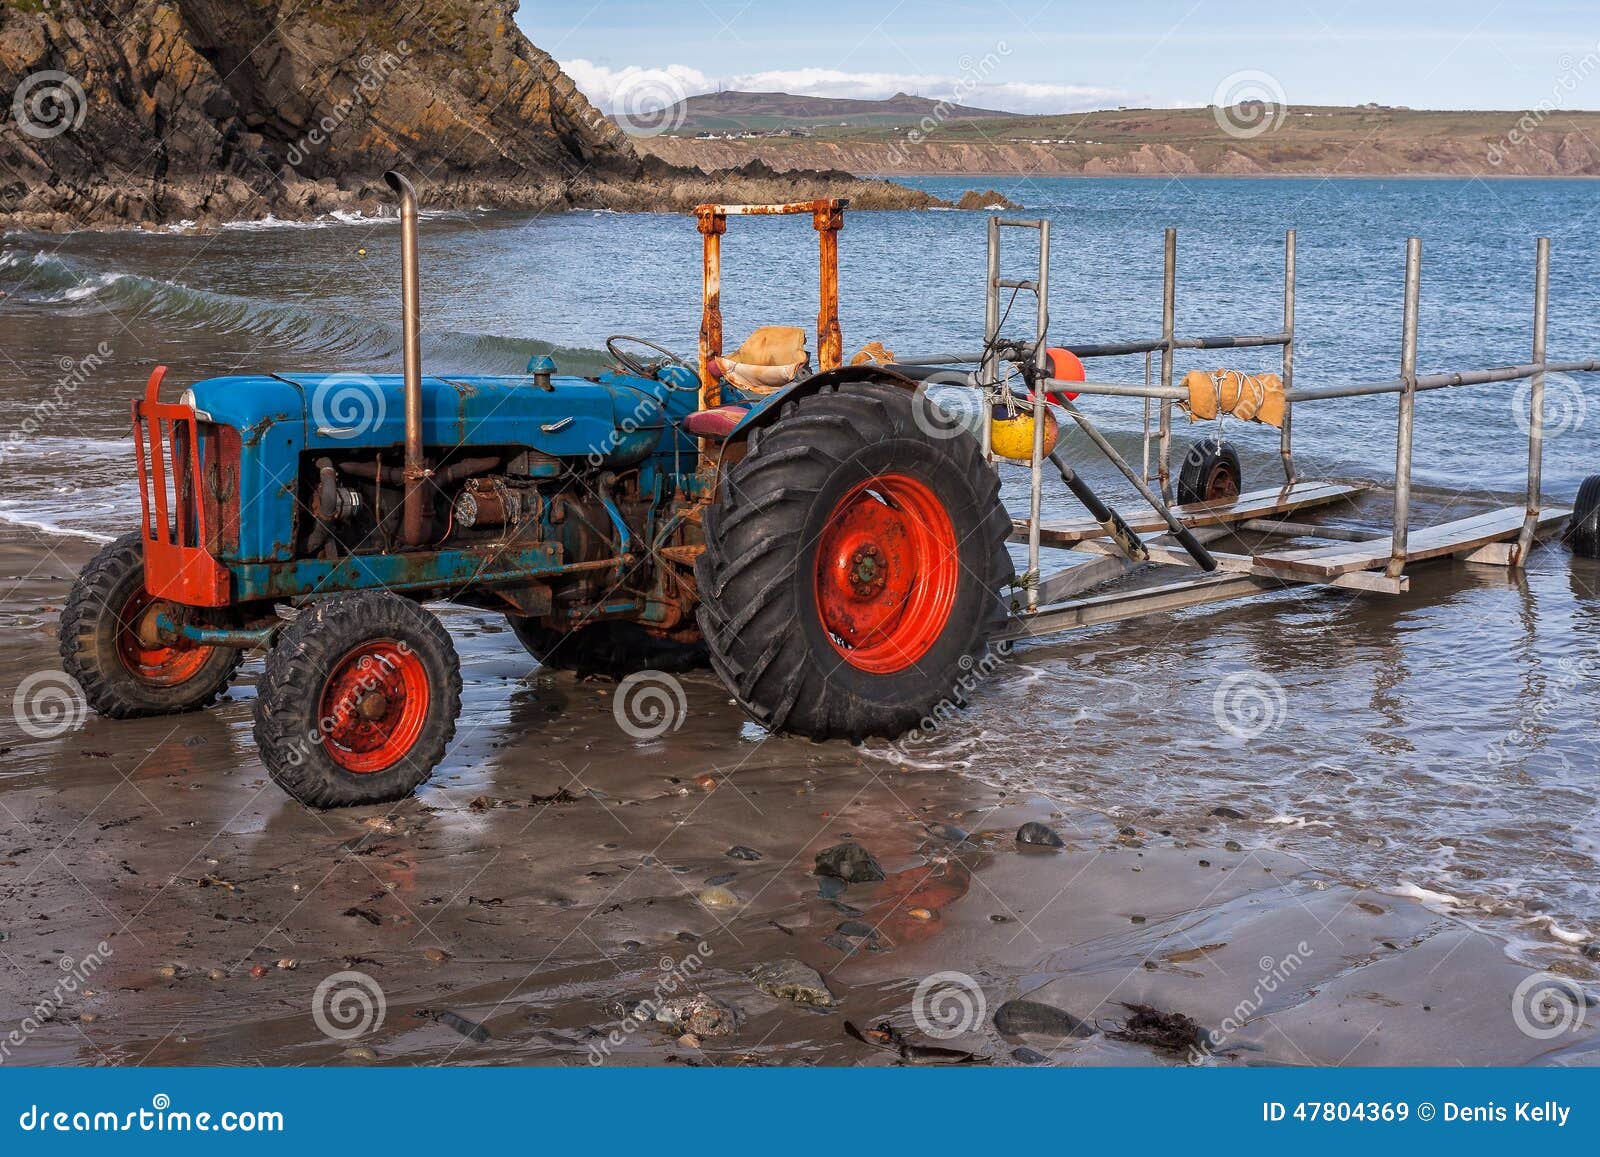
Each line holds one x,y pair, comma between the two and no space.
772,345
717,422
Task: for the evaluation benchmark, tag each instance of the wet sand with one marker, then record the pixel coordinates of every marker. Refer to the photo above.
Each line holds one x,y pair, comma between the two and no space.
224,904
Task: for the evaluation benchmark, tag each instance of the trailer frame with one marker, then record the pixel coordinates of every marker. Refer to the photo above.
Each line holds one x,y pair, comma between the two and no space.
1369,559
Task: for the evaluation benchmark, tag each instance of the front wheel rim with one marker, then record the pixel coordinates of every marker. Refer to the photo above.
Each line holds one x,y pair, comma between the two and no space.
887,573
373,706
141,652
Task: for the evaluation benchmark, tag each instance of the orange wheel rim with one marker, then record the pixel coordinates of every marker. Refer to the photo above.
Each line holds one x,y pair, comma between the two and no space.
373,706
887,573
144,656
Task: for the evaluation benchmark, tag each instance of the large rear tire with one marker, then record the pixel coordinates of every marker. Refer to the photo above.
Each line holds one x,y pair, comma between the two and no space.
854,568
108,644
359,700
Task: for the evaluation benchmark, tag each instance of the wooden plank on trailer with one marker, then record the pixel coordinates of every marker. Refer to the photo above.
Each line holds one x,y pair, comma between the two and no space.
1098,610
1245,564
1255,504
1074,580
1462,534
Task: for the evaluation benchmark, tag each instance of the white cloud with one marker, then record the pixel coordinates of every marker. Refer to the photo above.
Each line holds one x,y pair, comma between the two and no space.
634,89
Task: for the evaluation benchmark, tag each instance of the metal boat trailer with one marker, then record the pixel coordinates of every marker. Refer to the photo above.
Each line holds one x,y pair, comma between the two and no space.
1111,549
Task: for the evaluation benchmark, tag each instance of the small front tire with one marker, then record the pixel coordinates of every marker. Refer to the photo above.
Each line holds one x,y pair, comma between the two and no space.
1210,473
1583,528
108,643
359,700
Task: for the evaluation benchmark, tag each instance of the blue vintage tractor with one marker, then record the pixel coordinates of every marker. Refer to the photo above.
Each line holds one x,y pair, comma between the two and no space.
840,569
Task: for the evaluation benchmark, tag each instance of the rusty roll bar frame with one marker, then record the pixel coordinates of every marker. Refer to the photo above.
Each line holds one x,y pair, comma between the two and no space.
827,217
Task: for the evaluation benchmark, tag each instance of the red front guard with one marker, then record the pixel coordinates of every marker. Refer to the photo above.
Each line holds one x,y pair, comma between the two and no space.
183,526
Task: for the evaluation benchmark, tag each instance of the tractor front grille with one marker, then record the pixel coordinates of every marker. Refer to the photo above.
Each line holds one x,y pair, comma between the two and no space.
189,493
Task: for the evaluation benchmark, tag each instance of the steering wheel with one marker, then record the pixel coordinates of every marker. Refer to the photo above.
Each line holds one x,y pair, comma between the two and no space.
646,369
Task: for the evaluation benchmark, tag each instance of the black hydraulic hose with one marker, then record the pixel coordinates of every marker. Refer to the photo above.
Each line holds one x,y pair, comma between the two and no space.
1110,521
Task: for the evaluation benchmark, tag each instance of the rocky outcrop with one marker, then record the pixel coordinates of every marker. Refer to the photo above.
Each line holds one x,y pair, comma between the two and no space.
159,111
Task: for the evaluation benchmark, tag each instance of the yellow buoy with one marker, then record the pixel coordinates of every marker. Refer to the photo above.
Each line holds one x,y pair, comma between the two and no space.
1011,435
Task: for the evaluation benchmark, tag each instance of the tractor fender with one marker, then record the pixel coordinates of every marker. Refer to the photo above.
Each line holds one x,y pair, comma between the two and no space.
765,411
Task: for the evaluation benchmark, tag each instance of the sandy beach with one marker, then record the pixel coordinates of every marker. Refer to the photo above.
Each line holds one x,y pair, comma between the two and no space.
557,872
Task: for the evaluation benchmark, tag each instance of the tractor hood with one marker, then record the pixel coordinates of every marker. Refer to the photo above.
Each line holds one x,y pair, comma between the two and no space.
614,422
617,418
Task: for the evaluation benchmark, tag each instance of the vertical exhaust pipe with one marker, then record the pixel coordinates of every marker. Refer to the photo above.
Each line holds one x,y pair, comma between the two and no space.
415,474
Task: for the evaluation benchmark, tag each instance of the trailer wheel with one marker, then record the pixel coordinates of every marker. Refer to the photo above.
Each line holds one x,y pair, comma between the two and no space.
1210,472
1583,528
359,700
854,568
108,644
615,648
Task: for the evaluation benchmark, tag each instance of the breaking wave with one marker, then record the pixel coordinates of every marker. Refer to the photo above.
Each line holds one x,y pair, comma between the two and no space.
54,280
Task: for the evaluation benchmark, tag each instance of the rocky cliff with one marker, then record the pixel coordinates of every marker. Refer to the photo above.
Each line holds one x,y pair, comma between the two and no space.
1362,141
162,111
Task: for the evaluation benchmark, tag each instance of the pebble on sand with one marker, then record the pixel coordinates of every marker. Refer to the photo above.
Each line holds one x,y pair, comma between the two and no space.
791,980
435,955
849,862
700,1015
740,852
717,897
1041,835
1019,1017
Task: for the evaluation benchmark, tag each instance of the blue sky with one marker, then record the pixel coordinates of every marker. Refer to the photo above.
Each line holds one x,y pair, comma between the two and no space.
1060,55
